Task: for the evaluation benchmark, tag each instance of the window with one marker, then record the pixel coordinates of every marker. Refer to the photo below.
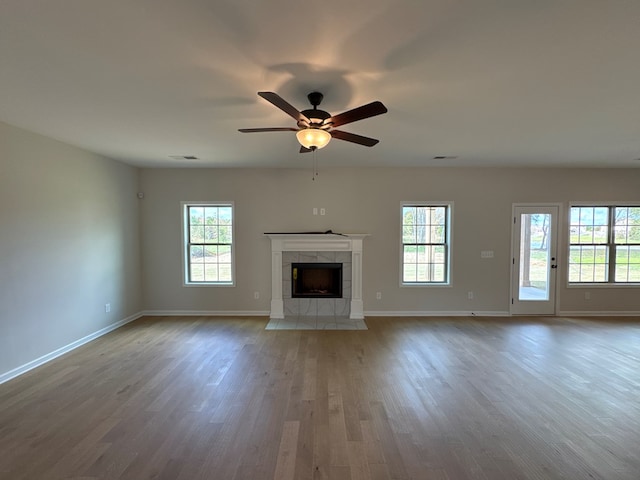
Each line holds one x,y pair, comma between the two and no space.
604,244
425,244
208,244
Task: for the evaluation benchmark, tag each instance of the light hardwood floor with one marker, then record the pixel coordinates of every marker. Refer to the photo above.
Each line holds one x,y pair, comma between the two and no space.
411,398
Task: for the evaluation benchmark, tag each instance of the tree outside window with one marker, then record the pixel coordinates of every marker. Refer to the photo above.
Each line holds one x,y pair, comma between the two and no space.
604,244
209,244
425,244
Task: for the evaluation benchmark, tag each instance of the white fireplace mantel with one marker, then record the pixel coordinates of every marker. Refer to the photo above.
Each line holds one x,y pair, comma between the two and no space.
305,242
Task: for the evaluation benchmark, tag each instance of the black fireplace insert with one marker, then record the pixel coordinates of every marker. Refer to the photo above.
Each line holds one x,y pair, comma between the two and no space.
316,280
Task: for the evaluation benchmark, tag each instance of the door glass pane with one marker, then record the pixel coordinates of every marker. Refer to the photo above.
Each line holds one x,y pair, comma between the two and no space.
534,257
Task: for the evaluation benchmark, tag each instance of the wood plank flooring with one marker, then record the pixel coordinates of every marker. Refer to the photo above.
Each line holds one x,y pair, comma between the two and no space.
190,398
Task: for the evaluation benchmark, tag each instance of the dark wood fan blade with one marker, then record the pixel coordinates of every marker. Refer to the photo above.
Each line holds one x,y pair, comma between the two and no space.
365,111
285,106
352,137
270,129
305,149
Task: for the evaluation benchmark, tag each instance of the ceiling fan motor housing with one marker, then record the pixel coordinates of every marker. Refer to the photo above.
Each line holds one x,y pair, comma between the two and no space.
316,115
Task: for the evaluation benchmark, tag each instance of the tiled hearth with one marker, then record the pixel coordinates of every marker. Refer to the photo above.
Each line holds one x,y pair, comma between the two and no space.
316,323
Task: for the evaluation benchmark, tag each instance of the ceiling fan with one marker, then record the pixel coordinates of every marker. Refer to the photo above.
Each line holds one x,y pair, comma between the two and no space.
317,127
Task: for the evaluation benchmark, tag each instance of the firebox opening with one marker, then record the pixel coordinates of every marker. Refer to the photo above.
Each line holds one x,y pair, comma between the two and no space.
316,280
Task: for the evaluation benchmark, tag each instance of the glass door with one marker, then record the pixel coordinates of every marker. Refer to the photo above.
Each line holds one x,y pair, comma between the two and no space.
535,261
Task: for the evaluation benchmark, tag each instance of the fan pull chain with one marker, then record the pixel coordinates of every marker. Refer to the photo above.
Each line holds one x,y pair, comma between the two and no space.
315,165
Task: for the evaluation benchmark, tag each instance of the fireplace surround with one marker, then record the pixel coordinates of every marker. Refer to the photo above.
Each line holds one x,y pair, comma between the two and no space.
315,245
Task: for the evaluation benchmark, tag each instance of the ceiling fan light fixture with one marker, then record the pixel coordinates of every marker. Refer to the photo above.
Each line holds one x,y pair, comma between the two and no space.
313,138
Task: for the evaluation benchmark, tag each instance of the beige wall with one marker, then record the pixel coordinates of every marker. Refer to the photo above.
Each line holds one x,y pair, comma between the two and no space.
74,236
368,201
69,244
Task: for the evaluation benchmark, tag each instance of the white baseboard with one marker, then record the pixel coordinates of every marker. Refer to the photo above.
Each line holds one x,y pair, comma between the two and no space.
205,313
436,314
497,314
384,313
5,377
598,314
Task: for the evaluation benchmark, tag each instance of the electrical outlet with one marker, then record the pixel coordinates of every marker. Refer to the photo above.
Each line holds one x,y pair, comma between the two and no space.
486,254
323,211
470,295
107,307
315,211
256,295
587,295
378,295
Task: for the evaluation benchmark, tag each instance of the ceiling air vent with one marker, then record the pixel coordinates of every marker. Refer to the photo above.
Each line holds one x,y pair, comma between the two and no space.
183,157
445,157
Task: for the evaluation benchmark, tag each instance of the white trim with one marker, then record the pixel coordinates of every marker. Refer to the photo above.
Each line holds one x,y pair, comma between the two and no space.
449,244
5,377
554,289
599,314
465,313
380,313
309,242
185,241
600,203
605,285
206,313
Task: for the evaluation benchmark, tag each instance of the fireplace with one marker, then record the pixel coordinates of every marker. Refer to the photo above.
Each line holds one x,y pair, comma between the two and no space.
316,280
289,248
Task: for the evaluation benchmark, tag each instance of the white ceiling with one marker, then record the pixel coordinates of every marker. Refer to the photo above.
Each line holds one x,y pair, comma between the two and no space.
493,82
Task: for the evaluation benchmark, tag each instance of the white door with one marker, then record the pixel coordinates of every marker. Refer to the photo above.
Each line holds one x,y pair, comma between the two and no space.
534,263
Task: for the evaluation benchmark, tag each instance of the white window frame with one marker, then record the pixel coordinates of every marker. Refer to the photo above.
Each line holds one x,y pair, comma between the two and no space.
448,243
185,244
611,283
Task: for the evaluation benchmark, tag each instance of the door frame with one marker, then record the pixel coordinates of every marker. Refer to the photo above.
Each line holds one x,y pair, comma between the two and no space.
555,238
